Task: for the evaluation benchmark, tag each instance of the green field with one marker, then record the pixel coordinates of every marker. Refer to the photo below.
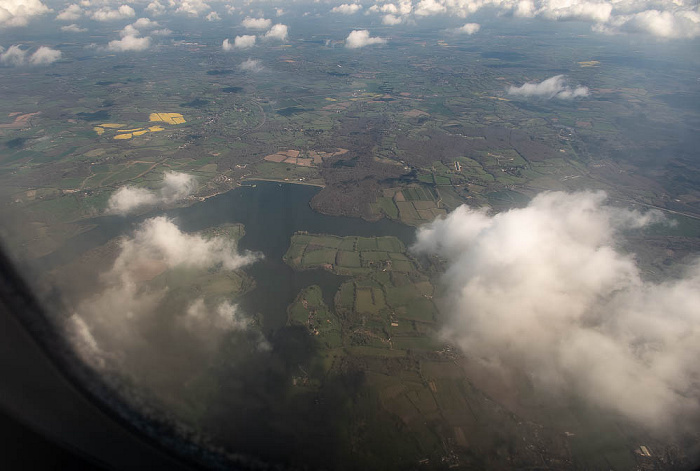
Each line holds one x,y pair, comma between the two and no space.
346,255
310,311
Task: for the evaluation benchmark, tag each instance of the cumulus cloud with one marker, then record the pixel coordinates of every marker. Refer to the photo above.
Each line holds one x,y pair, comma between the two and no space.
176,186
129,42
430,7
156,8
670,19
129,30
13,56
70,13
597,11
110,14
245,41
391,20
127,199
524,9
386,8
122,320
256,23
73,28
251,65
279,32
203,321
193,8
131,39
469,28
553,87
213,16
16,56
581,10
543,290
160,239
361,38
19,12
145,23
662,24
401,8
347,8
44,56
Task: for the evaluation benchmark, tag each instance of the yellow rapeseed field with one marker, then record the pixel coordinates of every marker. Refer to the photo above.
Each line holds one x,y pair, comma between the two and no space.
169,118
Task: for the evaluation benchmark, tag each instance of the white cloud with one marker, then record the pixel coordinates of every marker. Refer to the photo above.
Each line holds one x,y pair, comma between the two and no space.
156,8
145,23
73,28
662,24
386,8
204,321
129,30
129,42
391,20
128,198
112,324
524,9
430,7
19,12
580,10
109,14
240,42
160,239
543,291
44,56
669,19
347,8
405,7
469,28
16,56
279,32
553,87
213,16
70,13
193,8
176,186
361,38
256,23
161,32
251,65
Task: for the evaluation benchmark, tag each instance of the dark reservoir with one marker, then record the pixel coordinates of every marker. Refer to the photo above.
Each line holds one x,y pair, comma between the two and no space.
271,212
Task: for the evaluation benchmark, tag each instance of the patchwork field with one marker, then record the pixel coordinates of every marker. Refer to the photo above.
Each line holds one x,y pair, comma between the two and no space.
414,205
347,255
387,304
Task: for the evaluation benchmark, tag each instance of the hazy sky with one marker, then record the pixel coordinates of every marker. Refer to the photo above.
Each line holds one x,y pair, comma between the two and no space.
143,22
